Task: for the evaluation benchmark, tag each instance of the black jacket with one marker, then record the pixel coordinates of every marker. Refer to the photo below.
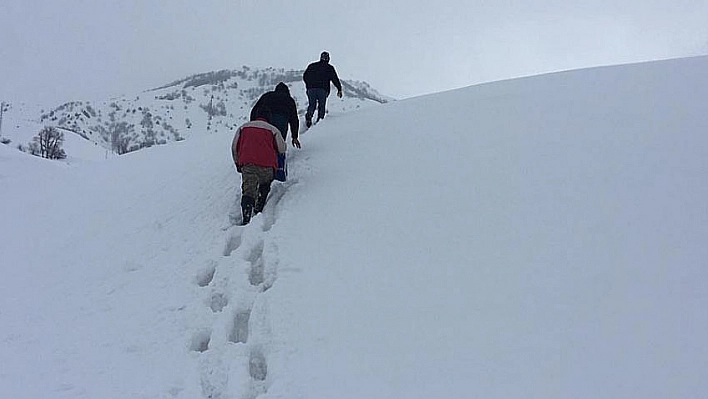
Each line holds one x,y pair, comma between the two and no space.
280,103
319,74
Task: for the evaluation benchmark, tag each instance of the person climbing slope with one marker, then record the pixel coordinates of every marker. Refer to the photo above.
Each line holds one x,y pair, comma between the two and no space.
255,150
283,111
317,77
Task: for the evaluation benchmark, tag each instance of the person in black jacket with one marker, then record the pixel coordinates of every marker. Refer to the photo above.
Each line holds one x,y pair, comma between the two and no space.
283,111
317,77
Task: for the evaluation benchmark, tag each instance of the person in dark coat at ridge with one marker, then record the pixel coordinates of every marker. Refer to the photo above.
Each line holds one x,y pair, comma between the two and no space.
283,111
317,77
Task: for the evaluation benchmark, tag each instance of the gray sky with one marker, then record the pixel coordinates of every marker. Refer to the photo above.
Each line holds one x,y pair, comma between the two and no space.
54,51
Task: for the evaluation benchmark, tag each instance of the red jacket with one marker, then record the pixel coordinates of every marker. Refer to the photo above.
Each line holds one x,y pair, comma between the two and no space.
257,143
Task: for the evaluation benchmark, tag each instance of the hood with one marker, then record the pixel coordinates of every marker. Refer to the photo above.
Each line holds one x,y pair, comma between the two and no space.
282,87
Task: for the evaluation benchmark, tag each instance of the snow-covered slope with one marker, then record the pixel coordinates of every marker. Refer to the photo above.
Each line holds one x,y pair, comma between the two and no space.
539,238
20,123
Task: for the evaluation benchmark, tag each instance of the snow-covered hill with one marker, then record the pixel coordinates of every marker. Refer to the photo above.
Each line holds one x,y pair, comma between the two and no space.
532,238
194,106
197,105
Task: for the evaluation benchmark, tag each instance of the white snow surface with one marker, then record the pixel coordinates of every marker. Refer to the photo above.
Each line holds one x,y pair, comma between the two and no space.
20,126
541,237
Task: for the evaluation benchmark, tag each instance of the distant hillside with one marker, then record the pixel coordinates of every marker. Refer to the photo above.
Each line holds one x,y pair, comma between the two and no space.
195,105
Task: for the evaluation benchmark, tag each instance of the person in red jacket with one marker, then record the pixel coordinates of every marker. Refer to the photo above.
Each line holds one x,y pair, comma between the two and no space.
255,151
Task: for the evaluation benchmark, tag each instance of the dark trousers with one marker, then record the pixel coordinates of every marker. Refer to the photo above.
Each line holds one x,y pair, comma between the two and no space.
317,99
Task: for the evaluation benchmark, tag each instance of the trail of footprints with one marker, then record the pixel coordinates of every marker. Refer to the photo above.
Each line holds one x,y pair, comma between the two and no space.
234,344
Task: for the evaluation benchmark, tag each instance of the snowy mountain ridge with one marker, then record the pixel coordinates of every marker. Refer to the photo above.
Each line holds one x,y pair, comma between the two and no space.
195,105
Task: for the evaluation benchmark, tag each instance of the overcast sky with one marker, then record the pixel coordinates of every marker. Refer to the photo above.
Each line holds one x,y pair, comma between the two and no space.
56,51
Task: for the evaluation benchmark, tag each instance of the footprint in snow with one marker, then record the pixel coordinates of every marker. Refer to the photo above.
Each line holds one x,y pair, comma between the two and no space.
205,277
233,241
256,271
257,366
239,331
218,302
200,341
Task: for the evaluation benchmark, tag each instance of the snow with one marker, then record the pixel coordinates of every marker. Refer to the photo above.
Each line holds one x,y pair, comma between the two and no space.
541,237
20,129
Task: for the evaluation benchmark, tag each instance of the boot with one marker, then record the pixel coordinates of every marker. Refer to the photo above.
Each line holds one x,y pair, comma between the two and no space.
246,209
263,191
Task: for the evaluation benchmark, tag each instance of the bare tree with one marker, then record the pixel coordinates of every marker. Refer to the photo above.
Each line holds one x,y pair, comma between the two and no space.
47,144
119,137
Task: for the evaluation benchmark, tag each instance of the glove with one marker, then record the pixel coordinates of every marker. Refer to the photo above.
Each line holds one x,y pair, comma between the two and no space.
339,94
296,143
